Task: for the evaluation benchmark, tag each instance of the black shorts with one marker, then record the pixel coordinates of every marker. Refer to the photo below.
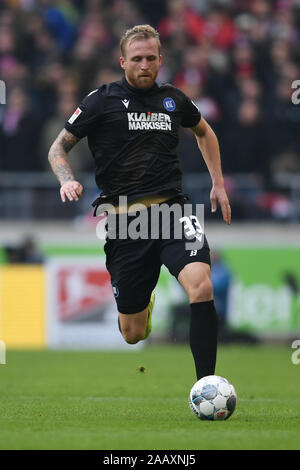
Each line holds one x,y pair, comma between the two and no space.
134,265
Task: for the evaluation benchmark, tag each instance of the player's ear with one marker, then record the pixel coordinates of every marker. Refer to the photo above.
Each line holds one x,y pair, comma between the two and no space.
122,62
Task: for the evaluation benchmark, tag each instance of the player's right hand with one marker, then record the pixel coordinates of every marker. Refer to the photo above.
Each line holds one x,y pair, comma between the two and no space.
71,190
218,195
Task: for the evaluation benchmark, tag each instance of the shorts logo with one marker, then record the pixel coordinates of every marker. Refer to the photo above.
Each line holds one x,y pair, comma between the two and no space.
169,104
115,290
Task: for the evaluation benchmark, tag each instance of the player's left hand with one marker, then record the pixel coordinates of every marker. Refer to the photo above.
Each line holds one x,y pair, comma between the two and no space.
71,190
218,195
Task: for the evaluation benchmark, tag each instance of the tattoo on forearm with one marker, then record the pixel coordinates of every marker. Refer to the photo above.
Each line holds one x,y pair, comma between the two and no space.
67,140
58,155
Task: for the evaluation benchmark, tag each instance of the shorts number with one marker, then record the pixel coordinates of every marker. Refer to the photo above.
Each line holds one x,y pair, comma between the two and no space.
192,226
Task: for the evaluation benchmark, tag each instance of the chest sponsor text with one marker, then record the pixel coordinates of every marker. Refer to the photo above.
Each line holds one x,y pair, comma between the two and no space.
149,121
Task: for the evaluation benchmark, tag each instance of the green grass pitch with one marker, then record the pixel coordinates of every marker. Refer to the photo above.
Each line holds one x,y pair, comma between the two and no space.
102,400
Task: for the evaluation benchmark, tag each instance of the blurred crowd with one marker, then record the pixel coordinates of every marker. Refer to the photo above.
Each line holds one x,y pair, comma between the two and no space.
237,59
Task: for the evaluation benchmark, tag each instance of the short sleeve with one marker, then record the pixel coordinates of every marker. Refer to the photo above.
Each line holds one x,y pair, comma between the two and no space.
190,113
88,113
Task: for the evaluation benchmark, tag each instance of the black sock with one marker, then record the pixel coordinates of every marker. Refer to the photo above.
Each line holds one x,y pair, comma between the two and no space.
203,337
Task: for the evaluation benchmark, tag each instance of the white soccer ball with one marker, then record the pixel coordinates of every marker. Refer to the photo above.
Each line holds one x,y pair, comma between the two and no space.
213,398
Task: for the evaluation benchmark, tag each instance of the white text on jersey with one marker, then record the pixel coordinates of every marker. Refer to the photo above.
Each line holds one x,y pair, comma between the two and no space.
149,121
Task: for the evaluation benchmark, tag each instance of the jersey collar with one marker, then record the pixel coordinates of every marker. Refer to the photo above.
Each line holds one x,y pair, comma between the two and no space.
137,90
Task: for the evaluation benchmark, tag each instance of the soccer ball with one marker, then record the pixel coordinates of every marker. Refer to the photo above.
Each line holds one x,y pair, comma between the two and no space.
213,398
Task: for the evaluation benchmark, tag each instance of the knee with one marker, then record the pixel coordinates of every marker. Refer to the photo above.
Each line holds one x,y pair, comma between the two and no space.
132,336
200,291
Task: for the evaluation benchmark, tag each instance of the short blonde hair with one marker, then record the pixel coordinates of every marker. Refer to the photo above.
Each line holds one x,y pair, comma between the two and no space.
139,32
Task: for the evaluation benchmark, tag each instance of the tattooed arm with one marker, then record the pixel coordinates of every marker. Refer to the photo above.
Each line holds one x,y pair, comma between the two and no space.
57,157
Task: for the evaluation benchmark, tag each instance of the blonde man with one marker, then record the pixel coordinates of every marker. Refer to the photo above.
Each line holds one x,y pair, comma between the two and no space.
132,127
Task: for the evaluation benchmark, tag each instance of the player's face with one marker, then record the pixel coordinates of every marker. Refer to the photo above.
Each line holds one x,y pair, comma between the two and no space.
141,63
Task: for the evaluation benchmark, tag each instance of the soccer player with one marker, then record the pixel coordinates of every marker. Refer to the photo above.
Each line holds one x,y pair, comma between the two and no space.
132,128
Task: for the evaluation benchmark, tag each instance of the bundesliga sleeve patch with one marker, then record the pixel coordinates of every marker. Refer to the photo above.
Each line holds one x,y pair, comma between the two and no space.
75,116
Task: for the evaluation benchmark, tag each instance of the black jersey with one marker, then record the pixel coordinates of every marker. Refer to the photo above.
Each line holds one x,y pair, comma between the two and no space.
133,136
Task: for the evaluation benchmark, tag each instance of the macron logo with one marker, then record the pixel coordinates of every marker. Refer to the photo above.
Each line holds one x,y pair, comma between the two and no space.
126,103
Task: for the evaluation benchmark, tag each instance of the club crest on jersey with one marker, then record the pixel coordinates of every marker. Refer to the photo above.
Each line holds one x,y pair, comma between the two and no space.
169,104
149,121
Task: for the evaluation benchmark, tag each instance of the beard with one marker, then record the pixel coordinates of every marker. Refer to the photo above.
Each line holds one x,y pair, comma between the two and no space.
141,83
